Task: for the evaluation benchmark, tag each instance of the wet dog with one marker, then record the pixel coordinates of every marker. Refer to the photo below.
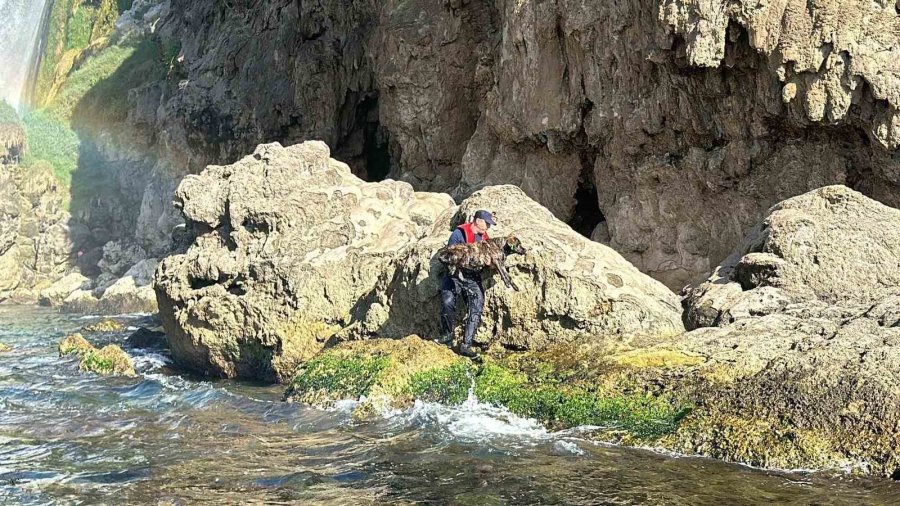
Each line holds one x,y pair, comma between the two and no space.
476,257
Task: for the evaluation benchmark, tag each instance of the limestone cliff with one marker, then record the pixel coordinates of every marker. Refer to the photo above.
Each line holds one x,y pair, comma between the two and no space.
671,125
666,127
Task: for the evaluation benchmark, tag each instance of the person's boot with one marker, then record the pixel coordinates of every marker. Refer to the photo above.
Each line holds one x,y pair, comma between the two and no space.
465,349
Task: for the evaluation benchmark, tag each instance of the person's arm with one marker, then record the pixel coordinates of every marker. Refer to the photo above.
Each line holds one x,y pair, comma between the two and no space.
457,237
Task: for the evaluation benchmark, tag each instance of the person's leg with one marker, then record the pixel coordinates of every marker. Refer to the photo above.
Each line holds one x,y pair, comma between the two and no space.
448,310
474,295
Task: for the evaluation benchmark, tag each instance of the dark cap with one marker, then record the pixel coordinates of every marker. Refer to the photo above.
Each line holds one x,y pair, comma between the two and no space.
484,215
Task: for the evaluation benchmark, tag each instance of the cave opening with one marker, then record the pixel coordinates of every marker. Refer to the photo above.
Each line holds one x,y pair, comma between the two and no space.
376,146
364,144
587,214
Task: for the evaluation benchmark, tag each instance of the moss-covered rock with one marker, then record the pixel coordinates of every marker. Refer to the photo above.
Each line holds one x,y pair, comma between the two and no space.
104,325
386,373
110,360
74,344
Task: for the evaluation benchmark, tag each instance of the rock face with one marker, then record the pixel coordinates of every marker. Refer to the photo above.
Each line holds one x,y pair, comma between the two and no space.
570,286
36,242
677,122
293,251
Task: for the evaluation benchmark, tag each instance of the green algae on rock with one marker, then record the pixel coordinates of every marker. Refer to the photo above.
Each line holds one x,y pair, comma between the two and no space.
104,325
110,360
384,372
74,343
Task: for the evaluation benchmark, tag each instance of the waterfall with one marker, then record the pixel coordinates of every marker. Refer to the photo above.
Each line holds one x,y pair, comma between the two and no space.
21,27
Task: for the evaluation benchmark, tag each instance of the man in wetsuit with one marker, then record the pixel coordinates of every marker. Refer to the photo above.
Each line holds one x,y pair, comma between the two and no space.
469,288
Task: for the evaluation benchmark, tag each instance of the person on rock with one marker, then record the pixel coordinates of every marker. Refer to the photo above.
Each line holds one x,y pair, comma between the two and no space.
469,288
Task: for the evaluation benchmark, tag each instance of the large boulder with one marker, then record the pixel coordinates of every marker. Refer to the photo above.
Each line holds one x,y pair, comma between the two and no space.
288,242
570,287
294,252
831,247
799,343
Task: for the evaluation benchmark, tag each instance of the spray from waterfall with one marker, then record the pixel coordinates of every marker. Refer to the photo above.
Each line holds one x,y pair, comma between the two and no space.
22,25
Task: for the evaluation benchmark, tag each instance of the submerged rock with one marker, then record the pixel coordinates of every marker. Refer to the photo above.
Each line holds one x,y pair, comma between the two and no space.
294,252
74,343
146,338
109,360
105,325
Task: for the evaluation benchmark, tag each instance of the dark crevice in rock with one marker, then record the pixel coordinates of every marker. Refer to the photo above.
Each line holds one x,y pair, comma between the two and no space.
365,143
587,214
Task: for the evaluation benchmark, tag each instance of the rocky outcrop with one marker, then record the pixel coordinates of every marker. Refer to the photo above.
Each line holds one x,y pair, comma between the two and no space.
106,361
828,249
293,252
131,293
672,125
800,341
36,242
678,123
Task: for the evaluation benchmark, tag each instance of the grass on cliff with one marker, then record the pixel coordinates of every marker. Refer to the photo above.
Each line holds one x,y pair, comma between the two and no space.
74,26
94,98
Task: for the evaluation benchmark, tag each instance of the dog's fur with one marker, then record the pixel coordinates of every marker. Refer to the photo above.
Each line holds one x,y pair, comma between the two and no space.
475,257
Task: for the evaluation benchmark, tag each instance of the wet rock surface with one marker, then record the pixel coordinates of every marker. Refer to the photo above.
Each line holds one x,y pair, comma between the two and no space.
109,360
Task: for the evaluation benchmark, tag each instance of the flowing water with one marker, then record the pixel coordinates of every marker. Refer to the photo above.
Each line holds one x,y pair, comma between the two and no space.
20,39
167,438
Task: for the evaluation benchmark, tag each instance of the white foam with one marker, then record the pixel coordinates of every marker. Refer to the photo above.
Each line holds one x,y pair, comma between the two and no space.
148,361
475,421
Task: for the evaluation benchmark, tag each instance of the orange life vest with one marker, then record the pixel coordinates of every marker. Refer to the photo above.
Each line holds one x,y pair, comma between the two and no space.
470,233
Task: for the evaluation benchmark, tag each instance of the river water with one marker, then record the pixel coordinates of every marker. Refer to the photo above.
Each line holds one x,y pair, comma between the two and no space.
168,438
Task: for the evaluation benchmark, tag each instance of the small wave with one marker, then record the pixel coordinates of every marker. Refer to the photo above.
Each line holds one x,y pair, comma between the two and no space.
147,360
475,421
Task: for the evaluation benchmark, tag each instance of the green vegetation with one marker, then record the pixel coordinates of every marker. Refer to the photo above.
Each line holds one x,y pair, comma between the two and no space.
560,407
448,385
75,343
52,142
337,377
8,114
79,28
75,26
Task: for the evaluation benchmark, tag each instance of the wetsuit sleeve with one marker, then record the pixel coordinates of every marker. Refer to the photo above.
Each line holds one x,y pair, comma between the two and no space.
457,237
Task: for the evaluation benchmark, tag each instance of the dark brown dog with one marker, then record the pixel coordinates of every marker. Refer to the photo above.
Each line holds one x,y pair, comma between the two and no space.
475,257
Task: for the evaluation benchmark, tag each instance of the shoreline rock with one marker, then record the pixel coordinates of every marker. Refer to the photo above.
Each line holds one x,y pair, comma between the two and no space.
294,253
